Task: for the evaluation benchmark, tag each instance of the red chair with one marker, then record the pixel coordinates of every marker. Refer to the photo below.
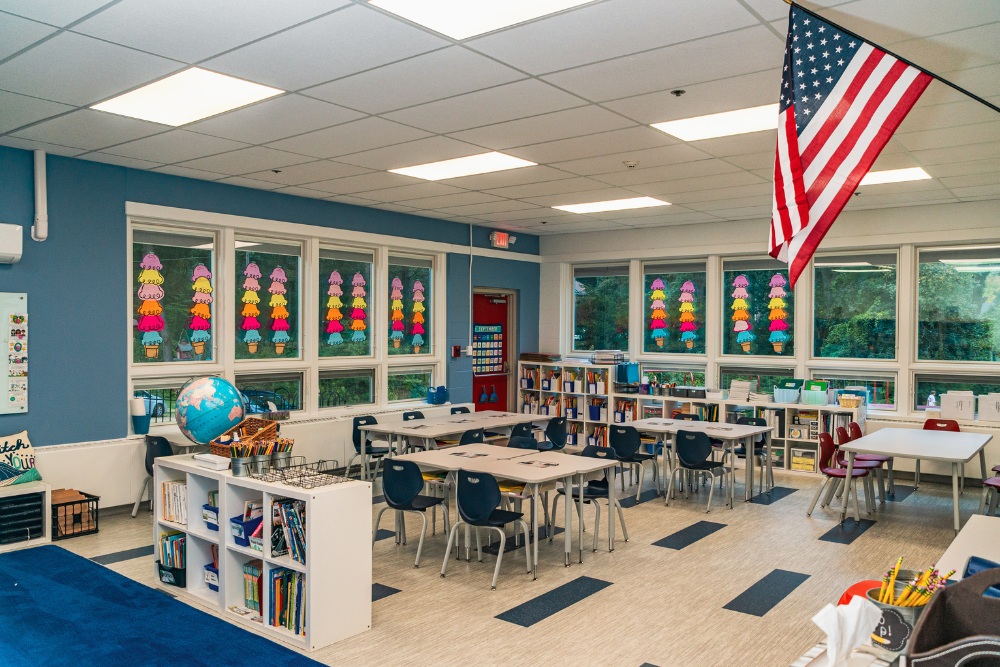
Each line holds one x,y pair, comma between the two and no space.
854,429
862,464
833,476
938,425
991,491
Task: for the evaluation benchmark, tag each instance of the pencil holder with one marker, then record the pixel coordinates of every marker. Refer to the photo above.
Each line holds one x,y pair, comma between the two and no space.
280,459
895,628
241,466
259,463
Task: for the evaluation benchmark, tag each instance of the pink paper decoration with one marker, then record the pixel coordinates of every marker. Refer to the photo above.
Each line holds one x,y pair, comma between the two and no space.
278,275
151,261
252,271
150,292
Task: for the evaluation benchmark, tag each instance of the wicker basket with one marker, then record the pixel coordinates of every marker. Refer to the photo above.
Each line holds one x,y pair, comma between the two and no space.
251,429
849,401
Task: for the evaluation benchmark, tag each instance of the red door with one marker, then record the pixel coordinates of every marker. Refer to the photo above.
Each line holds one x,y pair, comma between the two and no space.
490,350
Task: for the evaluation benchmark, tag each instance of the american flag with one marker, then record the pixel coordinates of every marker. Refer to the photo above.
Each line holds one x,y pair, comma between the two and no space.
841,100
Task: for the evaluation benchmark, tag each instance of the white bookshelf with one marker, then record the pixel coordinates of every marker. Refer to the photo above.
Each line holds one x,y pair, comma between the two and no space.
30,488
338,564
645,405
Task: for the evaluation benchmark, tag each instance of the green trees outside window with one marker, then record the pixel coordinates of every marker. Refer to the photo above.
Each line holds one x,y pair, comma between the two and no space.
600,308
854,307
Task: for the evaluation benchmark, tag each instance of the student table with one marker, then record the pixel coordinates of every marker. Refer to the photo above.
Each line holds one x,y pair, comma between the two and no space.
979,537
945,446
730,434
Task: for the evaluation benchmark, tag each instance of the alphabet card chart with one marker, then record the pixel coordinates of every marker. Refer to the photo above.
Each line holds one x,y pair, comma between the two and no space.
487,348
14,334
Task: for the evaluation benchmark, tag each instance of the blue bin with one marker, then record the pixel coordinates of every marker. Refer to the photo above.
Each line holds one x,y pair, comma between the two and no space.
437,396
242,530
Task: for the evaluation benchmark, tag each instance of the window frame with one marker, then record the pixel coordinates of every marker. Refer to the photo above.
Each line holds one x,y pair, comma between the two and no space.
704,332
726,358
624,265
839,372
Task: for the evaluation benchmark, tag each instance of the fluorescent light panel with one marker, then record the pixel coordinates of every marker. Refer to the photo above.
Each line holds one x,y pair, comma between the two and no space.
186,97
895,176
460,19
239,244
483,163
613,205
725,124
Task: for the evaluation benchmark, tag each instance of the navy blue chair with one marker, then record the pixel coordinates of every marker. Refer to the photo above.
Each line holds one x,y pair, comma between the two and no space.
594,491
460,410
156,446
627,442
522,443
374,449
555,434
478,499
401,487
687,416
759,451
516,491
412,414
521,431
411,442
473,436
693,451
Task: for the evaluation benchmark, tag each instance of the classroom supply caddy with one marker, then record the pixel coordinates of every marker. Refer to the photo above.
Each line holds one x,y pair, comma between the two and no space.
334,541
250,430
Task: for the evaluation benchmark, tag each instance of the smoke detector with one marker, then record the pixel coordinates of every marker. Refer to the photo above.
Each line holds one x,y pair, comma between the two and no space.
630,164
678,92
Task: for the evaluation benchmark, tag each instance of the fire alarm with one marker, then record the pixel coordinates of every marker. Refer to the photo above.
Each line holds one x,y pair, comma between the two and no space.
500,240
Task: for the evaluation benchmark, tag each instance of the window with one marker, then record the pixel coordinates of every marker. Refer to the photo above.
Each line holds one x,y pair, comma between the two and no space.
600,307
410,305
928,385
345,304
674,308
766,377
262,390
687,377
881,387
958,306
355,386
854,306
409,384
172,274
159,397
758,308
267,293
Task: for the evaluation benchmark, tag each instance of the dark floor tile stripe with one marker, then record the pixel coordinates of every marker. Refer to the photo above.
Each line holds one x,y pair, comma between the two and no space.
493,548
646,496
766,593
128,554
383,534
773,496
688,536
901,494
378,499
556,600
847,532
380,591
647,664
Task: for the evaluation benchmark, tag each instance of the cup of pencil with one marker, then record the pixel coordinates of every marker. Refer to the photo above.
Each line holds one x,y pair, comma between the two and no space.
902,598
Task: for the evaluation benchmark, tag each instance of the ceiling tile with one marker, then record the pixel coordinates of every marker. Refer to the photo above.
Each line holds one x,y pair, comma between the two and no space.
378,180
962,49
668,172
716,57
561,186
528,216
249,183
17,33
740,144
303,192
733,192
175,146
90,130
977,192
19,110
353,137
743,213
899,199
246,160
937,116
132,163
971,180
347,199
56,12
491,207
668,189
717,204
501,179
770,12
951,154
595,32
681,218
547,127
275,119
605,143
86,70
309,172
761,160
952,136
494,105
191,30
651,157
417,191
187,172
583,197
982,81
421,151
399,208
339,44
457,199
886,22
964,168
424,78
30,145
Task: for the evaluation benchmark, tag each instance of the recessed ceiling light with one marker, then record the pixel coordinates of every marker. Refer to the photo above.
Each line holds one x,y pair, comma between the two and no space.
460,19
613,205
186,97
483,163
895,176
722,124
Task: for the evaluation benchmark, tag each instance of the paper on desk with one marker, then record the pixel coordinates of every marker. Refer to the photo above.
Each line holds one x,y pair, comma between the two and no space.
846,627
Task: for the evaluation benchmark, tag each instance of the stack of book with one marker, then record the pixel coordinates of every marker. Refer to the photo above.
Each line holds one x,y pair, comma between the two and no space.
288,529
540,357
174,501
288,600
172,552
757,397
739,390
252,589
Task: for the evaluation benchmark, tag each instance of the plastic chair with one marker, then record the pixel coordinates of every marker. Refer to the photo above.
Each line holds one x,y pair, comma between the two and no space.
938,425
156,446
521,431
478,498
854,432
693,450
592,492
759,451
626,441
517,491
460,410
875,465
687,416
991,492
522,442
555,434
833,476
473,436
372,451
401,487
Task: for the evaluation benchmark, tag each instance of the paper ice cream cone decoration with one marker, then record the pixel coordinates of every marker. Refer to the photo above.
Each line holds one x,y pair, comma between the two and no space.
687,324
396,326
358,304
418,317
741,313
334,317
151,321
778,315
279,314
658,316
250,311
201,313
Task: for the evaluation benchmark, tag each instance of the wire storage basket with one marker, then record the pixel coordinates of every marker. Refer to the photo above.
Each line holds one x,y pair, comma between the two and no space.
296,472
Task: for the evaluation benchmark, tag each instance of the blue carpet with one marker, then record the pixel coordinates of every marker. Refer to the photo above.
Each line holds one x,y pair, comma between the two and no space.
547,604
766,593
380,591
62,610
772,496
688,536
847,532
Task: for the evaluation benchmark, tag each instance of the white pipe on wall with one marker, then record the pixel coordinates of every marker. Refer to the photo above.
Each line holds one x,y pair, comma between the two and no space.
40,230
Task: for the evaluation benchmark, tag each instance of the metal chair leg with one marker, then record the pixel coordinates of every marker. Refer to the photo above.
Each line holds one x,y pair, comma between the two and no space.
142,491
621,518
496,570
819,492
451,538
378,519
420,544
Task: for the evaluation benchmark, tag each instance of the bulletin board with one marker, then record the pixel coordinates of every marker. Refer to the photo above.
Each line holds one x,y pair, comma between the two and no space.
14,338
487,348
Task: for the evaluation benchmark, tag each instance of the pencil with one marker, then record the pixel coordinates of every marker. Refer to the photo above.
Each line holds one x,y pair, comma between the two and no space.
892,580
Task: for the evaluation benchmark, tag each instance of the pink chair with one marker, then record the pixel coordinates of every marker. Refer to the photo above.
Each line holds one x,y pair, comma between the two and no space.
991,491
854,429
938,425
833,476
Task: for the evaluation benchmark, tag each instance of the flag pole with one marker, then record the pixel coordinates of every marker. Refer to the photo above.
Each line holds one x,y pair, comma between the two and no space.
896,56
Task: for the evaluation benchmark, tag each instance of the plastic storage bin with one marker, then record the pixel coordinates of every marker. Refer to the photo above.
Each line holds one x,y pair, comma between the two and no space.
211,516
212,577
242,530
813,397
786,395
172,576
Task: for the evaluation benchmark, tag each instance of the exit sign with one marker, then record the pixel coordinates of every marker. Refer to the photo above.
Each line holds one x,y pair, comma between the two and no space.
500,240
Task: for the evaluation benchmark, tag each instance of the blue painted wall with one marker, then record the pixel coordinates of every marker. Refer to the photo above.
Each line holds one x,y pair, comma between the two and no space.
78,280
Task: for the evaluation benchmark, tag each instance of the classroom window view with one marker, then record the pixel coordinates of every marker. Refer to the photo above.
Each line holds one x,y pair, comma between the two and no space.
758,309
410,305
261,391
355,386
267,297
854,306
345,298
930,387
766,378
686,377
881,389
674,308
407,384
172,297
600,308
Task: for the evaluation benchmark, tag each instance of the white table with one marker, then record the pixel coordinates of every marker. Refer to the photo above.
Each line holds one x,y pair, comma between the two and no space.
728,433
429,430
910,443
979,537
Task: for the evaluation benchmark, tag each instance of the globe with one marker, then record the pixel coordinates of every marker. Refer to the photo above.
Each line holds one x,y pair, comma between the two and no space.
207,407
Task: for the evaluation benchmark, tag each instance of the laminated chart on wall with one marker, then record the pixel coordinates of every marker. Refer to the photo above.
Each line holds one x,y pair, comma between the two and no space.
487,348
14,320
